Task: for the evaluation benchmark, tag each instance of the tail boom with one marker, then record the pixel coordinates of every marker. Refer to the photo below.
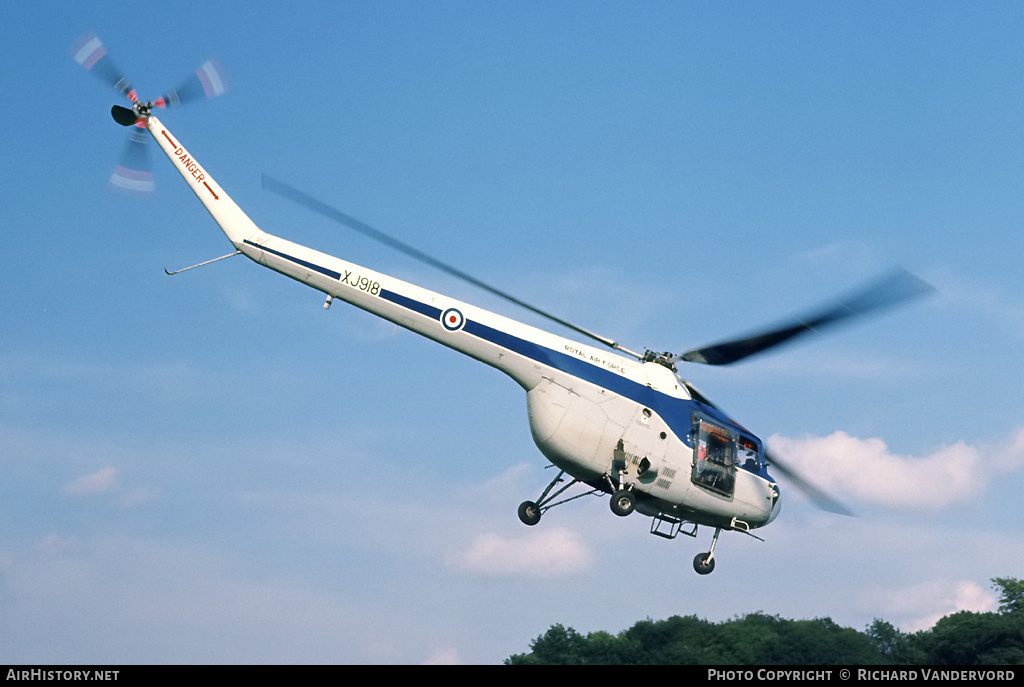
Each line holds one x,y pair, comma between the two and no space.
523,352
235,224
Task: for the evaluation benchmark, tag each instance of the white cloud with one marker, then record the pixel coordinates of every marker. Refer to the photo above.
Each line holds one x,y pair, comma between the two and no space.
865,469
107,482
443,657
515,480
138,497
122,599
1013,456
919,607
100,482
55,545
556,552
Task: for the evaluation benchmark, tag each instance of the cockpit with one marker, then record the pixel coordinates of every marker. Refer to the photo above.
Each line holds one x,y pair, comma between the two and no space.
749,454
718,451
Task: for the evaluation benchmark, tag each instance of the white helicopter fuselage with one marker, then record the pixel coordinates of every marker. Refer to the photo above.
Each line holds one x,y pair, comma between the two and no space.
607,420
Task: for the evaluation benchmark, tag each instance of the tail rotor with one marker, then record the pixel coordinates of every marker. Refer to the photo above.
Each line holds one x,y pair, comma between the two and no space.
132,173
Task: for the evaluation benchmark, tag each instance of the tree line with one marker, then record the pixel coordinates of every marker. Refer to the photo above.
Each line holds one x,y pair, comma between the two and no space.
964,638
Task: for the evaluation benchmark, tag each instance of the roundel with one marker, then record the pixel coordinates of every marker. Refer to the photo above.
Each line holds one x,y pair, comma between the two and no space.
452,319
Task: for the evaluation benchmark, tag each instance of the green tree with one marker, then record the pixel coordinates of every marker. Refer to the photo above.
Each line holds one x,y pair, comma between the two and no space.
968,638
607,649
745,640
558,646
964,638
1011,594
819,642
676,641
893,647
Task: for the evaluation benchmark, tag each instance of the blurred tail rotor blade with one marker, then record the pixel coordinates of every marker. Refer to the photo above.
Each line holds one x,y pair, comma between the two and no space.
89,52
133,175
209,81
895,288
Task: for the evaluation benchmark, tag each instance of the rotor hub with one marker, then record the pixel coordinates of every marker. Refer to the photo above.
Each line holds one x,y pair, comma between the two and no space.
663,359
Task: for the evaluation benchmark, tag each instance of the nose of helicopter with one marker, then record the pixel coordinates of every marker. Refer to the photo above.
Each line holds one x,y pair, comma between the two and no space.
776,504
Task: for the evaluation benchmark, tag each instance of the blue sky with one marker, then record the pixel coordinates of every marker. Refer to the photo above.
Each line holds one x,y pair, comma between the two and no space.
211,468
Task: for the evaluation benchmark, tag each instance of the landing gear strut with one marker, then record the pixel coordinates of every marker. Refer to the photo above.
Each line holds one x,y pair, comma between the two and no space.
530,511
623,499
704,563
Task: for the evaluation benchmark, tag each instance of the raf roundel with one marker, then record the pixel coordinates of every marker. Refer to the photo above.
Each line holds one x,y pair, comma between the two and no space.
452,320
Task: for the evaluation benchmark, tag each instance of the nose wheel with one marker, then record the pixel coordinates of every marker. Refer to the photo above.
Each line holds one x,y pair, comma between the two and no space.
704,563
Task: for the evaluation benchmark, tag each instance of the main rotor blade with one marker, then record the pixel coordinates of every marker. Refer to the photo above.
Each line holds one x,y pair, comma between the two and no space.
296,196
817,496
895,288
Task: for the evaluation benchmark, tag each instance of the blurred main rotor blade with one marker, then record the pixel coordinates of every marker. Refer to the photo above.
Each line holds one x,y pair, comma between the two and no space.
208,81
133,173
897,287
89,52
286,191
816,495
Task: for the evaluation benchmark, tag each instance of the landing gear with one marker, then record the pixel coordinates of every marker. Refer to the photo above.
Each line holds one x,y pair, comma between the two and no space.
704,563
623,502
529,513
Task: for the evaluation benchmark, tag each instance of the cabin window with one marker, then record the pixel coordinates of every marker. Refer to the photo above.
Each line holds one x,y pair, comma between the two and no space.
714,457
749,455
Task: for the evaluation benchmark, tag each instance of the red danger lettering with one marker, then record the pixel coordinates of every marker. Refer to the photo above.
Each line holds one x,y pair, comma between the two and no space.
195,170
190,165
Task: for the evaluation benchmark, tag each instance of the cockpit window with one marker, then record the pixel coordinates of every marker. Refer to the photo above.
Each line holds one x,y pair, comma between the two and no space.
749,455
714,456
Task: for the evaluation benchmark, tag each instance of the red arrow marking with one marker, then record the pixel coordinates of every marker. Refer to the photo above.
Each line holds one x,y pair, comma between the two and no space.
171,140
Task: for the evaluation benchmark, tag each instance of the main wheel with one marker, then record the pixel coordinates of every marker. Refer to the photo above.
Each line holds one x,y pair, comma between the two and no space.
703,564
623,502
529,513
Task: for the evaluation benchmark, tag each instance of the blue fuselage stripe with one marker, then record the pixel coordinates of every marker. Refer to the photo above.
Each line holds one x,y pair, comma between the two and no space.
305,263
676,412
411,304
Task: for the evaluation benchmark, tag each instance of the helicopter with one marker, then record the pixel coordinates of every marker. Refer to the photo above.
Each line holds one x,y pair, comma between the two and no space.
620,423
